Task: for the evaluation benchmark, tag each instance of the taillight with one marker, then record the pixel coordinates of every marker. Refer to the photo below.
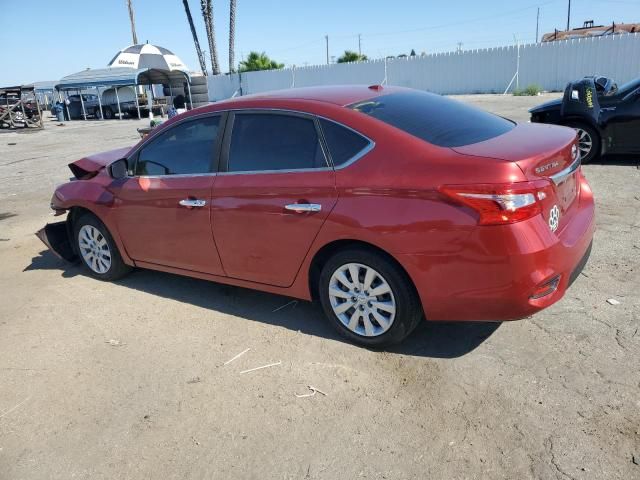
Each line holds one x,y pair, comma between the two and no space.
499,204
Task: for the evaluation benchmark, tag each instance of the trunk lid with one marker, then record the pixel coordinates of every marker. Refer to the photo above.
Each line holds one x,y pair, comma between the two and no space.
89,166
543,152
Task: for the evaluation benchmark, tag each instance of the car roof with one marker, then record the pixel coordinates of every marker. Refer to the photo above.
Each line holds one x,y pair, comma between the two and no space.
336,94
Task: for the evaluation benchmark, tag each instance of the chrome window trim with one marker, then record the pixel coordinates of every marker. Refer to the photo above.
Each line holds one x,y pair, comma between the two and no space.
562,175
287,170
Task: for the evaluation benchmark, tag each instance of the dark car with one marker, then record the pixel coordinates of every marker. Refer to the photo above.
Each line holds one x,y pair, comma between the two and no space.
606,117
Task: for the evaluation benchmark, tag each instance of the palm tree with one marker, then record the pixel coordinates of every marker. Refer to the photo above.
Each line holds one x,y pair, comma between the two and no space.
207,13
232,34
132,19
349,56
203,64
259,61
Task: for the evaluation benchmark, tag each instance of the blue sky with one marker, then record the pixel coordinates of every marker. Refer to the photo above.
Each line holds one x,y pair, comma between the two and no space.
71,35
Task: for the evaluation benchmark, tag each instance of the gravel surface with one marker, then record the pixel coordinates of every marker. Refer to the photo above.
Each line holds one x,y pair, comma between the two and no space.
127,380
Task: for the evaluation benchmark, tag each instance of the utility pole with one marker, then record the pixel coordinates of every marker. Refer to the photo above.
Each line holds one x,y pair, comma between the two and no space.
326,39
132,19
537,23
568,15
360,44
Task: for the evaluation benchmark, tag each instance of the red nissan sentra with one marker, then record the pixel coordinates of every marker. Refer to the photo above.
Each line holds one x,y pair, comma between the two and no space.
387,205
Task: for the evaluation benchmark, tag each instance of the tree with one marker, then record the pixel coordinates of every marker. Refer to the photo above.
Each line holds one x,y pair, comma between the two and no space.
203,63
232,34
132,19
207,14
350,56
259,61
413,53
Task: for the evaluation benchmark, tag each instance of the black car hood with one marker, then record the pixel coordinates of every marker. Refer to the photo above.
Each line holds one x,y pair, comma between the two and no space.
550,105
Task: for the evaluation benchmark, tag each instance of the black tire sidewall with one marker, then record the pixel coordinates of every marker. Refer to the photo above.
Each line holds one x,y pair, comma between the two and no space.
595,139
108,113
408,308
118,268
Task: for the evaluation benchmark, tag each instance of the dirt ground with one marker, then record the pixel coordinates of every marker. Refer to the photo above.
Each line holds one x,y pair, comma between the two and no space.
128,380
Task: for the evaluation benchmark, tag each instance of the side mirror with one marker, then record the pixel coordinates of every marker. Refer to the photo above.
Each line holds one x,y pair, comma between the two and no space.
119,169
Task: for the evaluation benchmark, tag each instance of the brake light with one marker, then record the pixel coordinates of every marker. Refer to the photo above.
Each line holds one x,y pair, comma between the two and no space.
499,204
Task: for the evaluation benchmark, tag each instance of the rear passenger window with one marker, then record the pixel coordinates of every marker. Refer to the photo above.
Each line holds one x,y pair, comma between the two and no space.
274,142
343,143
187,148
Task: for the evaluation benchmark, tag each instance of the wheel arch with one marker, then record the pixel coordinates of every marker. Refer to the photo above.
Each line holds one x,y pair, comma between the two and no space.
76,211
326,251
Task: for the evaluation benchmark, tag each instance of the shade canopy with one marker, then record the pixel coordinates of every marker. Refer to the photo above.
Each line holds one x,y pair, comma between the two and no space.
122,76
147,56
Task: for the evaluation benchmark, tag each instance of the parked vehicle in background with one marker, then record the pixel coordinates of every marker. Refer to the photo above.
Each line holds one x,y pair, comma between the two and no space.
387,205
606,117
75,106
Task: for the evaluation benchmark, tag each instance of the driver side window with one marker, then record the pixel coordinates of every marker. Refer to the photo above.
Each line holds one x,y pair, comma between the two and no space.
187,148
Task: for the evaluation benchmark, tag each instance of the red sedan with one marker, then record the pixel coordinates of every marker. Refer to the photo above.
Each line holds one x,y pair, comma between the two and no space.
386,205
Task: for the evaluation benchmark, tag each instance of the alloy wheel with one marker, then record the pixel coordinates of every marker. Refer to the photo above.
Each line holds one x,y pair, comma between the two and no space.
362,299
94,249
585,142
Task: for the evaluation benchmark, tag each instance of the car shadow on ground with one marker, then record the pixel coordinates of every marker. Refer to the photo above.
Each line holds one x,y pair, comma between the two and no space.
618,160
430,339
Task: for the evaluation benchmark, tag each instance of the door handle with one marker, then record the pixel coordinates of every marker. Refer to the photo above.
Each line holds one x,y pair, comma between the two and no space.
192,202
303,207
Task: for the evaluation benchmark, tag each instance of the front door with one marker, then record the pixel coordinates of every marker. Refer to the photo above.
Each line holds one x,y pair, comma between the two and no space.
274,195
163,210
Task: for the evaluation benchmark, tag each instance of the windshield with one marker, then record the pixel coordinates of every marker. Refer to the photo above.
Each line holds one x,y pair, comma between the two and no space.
435,119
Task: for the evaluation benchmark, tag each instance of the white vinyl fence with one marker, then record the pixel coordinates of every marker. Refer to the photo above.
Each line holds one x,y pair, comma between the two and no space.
550,65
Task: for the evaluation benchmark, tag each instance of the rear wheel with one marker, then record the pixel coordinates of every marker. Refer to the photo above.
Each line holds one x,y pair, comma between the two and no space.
368,298
97,113
588,141
108,113
97,250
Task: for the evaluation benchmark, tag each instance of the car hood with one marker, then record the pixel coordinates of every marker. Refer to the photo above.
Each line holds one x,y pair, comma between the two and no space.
550,105
89,166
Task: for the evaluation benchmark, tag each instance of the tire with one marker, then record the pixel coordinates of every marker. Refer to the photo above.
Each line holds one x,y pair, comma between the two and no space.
175,91
381,328
198,80
98,252
108,113
201,104
199,89
97,113
199,97
585,133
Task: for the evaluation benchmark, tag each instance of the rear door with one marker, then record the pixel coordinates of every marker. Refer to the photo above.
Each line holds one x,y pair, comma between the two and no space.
163,209
273,194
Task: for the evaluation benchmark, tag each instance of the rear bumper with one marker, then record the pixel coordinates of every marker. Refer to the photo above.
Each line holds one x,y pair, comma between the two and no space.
498,268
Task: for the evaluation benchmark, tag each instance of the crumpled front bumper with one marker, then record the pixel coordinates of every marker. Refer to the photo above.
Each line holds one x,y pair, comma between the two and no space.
56,237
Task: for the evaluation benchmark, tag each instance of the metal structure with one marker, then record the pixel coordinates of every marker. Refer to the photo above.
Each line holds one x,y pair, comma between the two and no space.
122,77
19,108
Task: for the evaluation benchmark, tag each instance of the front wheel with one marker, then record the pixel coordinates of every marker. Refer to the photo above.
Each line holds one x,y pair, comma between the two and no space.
97,250
368,298
588,141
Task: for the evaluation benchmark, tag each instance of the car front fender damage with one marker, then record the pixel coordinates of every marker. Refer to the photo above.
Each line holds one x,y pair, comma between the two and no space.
56,237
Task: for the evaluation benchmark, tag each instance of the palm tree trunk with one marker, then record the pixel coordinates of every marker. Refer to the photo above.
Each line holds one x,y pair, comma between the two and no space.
203,63
132,19
207,13
232,35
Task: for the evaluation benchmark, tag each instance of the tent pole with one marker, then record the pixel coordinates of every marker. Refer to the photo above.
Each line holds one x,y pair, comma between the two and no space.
66,97
118,100
135,91
100,103
84,112
189,90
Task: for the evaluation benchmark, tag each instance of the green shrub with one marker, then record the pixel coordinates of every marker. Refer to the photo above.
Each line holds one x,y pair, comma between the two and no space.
530,91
